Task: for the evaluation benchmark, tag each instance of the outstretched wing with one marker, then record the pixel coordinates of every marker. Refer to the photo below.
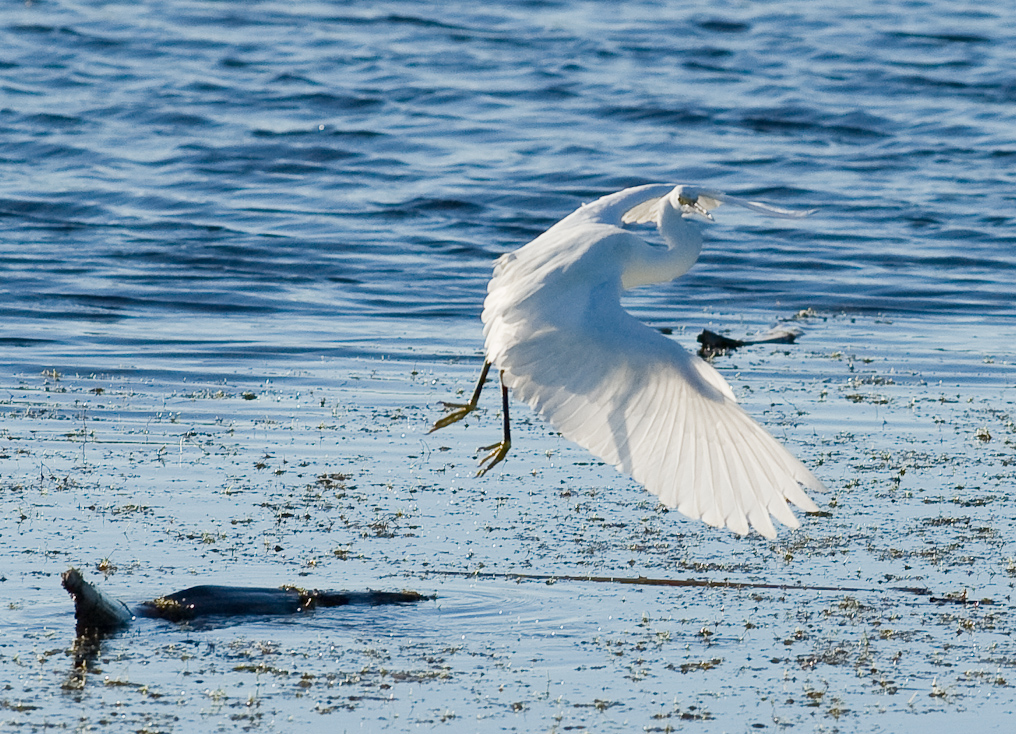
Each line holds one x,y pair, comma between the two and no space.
640,402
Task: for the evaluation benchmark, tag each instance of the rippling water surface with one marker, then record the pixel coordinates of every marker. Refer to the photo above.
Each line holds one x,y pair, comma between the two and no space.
298,174
218,218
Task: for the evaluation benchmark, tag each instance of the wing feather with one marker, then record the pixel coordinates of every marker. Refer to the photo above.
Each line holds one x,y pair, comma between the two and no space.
643,213
725,511
658,443
680,463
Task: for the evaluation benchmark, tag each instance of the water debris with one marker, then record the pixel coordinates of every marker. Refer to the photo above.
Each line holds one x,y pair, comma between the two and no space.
97,613
714,344
950,598
699,665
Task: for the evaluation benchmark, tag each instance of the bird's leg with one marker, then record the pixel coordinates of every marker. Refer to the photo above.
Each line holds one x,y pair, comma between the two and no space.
458,411
498,450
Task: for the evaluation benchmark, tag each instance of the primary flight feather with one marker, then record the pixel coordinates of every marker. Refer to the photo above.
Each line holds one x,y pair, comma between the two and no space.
555,329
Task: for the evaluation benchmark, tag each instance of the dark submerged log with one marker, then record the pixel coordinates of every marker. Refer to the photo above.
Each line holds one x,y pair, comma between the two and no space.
97,613
205,601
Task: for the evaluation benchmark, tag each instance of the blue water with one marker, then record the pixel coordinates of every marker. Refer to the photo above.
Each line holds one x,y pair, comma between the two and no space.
281,176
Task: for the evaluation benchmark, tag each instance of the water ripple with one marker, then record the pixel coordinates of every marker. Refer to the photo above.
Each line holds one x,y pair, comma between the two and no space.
169,162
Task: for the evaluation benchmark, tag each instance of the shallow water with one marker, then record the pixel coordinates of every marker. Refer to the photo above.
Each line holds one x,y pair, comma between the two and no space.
324,477
244,252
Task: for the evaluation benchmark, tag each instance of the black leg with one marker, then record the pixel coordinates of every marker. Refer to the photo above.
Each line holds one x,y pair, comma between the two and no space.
498,450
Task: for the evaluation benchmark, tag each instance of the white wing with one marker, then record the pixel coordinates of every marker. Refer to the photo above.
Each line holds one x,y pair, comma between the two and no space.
555,327
640,402
647,211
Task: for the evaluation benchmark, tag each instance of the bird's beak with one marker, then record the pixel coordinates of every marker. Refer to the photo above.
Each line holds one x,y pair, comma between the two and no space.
701,211
695,207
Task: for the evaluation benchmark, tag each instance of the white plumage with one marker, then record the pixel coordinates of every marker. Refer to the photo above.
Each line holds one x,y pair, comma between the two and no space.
554,326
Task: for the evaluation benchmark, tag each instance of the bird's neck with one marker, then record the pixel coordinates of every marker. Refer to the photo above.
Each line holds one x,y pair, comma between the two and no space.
658,265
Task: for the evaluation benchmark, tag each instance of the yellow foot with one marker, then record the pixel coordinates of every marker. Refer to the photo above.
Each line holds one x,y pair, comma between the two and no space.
497,453
456,412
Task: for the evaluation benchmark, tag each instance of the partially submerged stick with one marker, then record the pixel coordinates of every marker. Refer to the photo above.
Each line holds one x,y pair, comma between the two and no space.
713,343
97,613
94,611
710,584
205,601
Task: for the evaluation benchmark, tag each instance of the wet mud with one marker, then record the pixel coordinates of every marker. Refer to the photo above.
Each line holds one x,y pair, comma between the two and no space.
890,610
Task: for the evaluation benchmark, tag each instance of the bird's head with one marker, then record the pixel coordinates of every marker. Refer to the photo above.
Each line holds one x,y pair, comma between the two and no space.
691,202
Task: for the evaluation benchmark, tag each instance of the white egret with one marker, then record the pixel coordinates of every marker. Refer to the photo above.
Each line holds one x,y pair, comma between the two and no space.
555,329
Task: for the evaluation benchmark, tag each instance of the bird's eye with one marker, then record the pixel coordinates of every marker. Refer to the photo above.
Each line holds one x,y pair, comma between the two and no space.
685,200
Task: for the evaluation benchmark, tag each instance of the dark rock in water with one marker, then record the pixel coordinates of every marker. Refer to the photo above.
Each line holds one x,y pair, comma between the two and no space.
97,613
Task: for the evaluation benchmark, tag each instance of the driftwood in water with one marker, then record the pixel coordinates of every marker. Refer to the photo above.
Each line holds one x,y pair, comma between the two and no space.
713,343
94,611
204,601
98,613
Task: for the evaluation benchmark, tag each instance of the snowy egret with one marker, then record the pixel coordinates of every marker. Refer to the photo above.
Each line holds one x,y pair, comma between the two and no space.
555,329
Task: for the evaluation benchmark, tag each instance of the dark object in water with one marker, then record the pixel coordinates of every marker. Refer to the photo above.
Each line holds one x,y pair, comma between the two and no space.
94,611
204,601
713,343
97,613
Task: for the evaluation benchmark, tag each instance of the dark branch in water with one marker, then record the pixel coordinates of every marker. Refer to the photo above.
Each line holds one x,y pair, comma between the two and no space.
709,584
99,614
714,344
95,612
